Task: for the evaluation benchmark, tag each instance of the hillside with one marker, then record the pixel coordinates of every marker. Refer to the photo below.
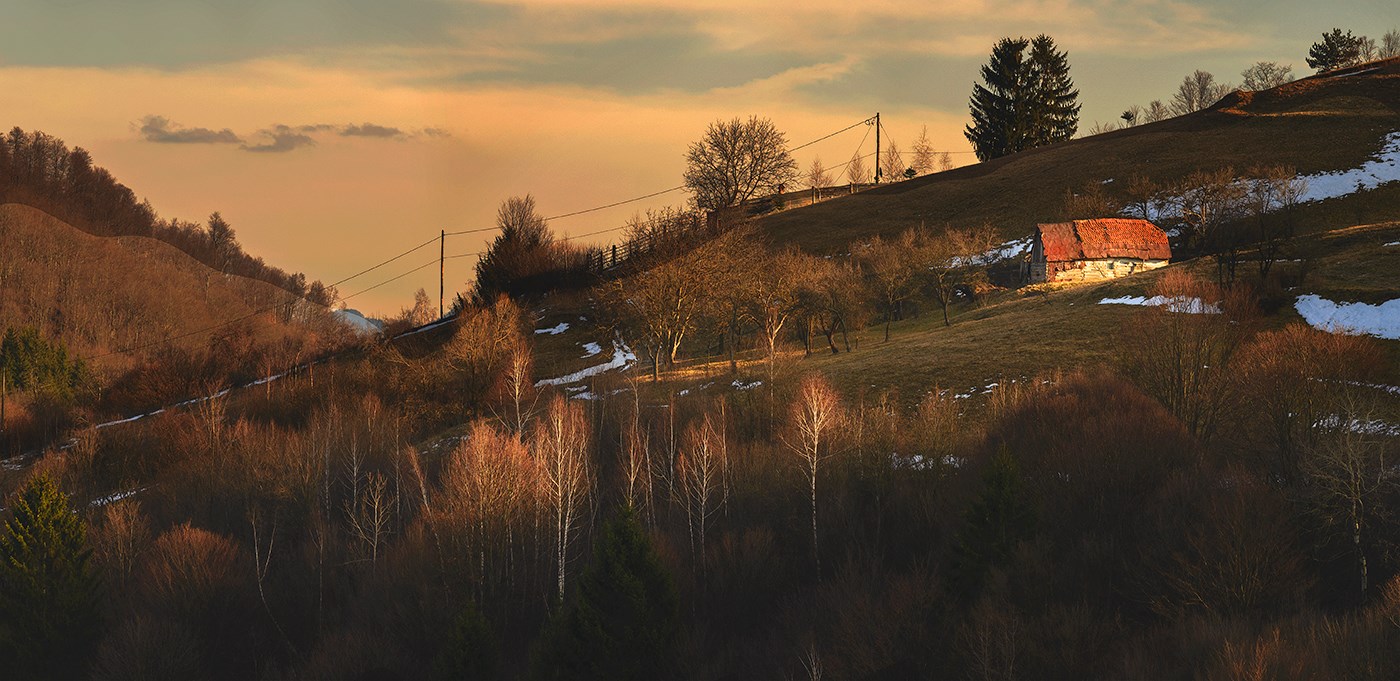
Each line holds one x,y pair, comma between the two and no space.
1317,125
101,295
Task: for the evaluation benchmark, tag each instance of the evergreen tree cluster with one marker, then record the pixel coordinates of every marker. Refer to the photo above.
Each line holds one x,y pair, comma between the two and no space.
1336,50
29,362
48,591
1027,100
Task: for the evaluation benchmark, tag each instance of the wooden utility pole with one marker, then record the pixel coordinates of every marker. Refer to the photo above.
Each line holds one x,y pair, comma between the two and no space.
4,387
442,257
877,147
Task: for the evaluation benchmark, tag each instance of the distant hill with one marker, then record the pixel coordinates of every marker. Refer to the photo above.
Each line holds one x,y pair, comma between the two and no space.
39,170
103,295
1317,124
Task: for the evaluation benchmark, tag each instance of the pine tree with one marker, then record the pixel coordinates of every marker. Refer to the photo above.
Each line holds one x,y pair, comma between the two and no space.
1026,101
48,592
1337,50
470,651
997,521
622,620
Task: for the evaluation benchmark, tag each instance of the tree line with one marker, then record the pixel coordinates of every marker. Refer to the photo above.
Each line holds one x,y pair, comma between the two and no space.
39,169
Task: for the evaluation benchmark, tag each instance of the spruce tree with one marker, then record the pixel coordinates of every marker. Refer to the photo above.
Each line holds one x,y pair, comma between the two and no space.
1337,50
997,521
622,620
1025,100
48,592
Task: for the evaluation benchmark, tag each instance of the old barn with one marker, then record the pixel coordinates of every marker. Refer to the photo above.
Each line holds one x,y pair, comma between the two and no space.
1090,250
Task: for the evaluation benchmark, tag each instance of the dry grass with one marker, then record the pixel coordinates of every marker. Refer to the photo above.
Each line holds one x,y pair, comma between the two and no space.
1317,124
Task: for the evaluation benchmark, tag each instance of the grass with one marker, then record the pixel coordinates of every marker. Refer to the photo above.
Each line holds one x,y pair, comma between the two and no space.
1315,124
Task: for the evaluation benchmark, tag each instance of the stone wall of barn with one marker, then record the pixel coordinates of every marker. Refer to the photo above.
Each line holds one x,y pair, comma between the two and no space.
1090,270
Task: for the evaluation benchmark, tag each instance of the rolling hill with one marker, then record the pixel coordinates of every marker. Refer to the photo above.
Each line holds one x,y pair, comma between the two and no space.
1317,125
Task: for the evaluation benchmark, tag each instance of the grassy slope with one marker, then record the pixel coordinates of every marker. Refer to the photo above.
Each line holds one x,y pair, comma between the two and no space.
118,291
1315,124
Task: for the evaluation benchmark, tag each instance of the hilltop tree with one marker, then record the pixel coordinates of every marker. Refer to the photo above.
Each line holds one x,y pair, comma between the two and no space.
48,591
1266,75
1197,91
1027,101
737,160
925,160
1390,44
855,170
893,163
1336,50
521,257
817,177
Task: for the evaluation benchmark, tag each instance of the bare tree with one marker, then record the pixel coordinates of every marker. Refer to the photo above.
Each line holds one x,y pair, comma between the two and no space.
817,178
369,515
776,296
490,483
1366,49
856,171
892,268
924,161
561,447
1131,116
955,259
1390,44
700,467
736,160
1197,91
1348,475
517,386
815,413
1266,75
945,161
892,163
1156,111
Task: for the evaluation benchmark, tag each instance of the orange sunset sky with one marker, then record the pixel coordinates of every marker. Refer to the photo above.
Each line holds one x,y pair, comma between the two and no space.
335,133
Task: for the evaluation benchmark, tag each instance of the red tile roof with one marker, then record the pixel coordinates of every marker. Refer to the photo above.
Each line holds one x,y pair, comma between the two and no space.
1103,238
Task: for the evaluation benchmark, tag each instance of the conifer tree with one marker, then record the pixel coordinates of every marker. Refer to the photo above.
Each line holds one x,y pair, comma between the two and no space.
997,521
622,620
1337,50
48,592
1025,101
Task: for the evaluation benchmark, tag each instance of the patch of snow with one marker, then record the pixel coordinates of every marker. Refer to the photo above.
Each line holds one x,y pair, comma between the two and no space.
590,349
739,384
1173,304
114,498
1382,168
1363,427
358,323
1381,321
621,359
426,327
1393,243
1006,251
555,330
1108,181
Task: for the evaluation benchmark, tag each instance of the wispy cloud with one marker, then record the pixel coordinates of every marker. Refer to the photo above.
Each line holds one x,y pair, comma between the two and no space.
371,130
281,139
162,130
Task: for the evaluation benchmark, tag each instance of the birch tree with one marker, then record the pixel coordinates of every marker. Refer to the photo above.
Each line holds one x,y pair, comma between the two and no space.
815,413
561,448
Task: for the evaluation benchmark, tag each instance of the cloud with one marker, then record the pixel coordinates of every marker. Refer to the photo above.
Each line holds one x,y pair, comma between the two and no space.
162,130
370,130
283,139
436,132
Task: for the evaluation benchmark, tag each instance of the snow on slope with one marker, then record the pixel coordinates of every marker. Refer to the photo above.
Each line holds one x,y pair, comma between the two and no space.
1175,304
1381,321
621,359
555,330
361,324
1382,168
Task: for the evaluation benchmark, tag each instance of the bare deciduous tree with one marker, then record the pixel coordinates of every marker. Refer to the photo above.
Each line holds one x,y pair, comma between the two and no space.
561,447
856,172
700,469
736,160
1390,44
1197,91
817,178
952,260
892,163
1266,75
924,161
892,270
815,413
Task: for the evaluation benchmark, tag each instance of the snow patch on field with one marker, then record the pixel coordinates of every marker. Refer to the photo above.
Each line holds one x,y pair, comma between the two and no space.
1380,169
561,327
1381,321
739,384
590,349
1173,304
622,358
118,496
358,322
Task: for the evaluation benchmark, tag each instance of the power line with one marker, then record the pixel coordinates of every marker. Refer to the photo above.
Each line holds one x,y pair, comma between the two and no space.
389,281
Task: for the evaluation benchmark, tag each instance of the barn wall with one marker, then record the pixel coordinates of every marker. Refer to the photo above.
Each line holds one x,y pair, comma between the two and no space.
1093,270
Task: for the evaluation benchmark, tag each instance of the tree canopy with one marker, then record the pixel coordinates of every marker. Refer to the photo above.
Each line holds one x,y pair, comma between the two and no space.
737,160
1025,100
1336,50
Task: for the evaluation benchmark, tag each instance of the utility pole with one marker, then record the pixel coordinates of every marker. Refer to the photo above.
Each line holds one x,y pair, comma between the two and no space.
4,387
877,147
442,253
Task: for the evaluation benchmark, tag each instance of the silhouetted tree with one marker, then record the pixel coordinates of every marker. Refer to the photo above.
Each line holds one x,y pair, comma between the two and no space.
737,160
48,592
1025,101
1336,50
997,521
623,620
